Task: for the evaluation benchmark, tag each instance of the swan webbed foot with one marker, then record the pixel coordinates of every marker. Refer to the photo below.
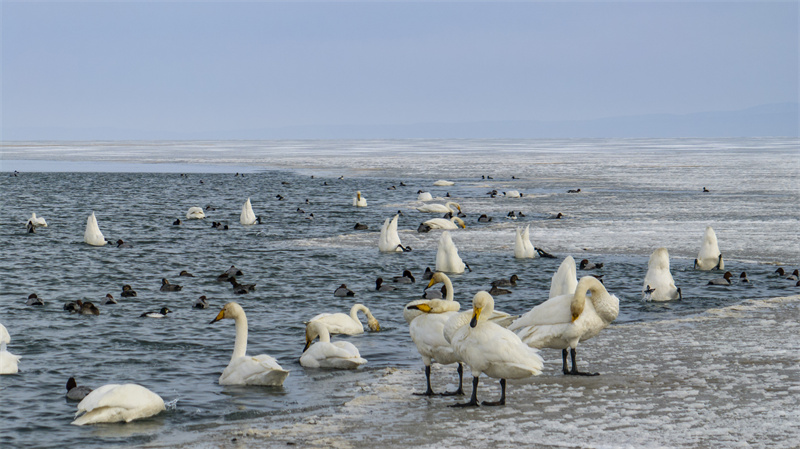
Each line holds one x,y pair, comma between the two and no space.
574,371
427,392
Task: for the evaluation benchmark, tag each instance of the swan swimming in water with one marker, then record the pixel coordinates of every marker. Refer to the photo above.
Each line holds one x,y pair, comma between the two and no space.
512,194
442,223
359,201
389,241
340,323
442,183
709,257
195,212
490,349
564,321
424,196
115,403
565,279
447,258
8,361
247,217
658,280
324,354
244,369
92,235
523,248
37,222
449,206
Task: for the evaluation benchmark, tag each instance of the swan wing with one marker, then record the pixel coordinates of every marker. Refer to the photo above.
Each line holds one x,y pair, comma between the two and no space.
339,323
496,351
254,370
114,402
9,363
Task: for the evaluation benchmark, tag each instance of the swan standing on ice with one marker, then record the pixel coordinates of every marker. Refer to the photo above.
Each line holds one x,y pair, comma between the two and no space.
709,257
92,235
359,201
115,403
490,349
389,241
427,333
658,280
447,258
195,212
324,354
565,280
244,369
8,361
443,223
247,217
340,323
523,248
449,206
564,321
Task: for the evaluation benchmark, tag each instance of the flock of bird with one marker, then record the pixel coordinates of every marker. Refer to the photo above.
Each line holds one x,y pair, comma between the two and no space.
487,340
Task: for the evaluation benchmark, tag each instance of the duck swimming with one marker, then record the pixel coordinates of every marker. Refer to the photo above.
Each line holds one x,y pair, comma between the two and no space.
127,291
122,244
510,282
201,303
343,292
724,280
109,299
484,219
241,289
167,287
34,300
160,314
586,265
381,287
185,273
74,392
87,308
406,278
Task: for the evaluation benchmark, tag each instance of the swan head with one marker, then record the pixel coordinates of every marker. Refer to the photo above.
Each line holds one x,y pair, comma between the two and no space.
482,304
312,332
230,310
460,222
437,277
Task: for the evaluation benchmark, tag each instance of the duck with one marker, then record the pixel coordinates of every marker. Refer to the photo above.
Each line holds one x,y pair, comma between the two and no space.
167,287
557,216
73,306
435,294
34,300
427,332
794,276
511,215
247,217
109,300
743,278
709,257
574,191
243,369
229,273
406,278
427,274
87,308
122,244
9,363
443,183
523,248
389,240
424,196
359,201
564,321
340,323
543,253
490,349
449,206
127,291
564,280
484,218
30,228
442,223
74,392
177,222
780,272
510,282
423,228
195,213
497,291
659,278
114,403
381,287
160,314
185,273
724,280
324,354
586,265
360,227
343,292
92,236
241,289
201,303
447,258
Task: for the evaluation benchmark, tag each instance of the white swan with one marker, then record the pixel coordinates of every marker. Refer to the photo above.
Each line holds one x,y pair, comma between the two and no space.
37,222
442,183
658,282
523,248
248,217
564,321
447,258
92,235
513,194
8,361
709,257
115,403
195,212
491,349
389,240
359,201
443,223
427,333
340,323
565,279
424,196
449,206
324,354
244,369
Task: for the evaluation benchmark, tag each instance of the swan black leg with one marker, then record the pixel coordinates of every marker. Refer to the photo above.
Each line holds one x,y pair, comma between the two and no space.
460,391
575,371
473,401
429,391
564,367
502,400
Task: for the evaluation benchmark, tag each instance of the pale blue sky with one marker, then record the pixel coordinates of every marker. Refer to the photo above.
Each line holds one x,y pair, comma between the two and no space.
198,67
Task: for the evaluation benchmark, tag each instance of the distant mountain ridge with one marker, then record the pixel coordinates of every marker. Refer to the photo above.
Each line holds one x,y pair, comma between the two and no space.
770,120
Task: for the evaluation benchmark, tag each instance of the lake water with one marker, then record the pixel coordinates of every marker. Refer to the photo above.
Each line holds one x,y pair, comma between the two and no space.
636,195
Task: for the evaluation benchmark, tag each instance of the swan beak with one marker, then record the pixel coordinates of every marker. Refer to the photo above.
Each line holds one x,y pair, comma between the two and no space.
308,343
423,307
475,315
429,284
220,316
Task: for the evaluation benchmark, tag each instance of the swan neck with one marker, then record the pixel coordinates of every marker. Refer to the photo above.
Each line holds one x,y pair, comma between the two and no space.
354,312
240,344
449,287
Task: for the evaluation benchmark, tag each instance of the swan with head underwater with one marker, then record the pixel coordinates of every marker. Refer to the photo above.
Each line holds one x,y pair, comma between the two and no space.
709,257
92,235
244,369
449,206
8,361
658,282
114,403
447,259
248,217
490,349
340,323
564,321
389,241
324,354
359,201
523,248
35,222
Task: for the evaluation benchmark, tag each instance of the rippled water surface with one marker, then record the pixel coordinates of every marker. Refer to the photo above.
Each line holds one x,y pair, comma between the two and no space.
635,196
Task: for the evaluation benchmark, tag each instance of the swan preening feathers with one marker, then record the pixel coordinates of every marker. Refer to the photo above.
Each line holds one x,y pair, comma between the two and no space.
340,323
324,354
92,235
449,206
115,403
709,257
658,283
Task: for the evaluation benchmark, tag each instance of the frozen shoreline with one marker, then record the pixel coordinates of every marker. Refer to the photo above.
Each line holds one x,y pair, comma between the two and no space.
705,381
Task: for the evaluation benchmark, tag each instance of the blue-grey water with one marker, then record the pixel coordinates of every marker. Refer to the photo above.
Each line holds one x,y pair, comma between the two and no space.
636,195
